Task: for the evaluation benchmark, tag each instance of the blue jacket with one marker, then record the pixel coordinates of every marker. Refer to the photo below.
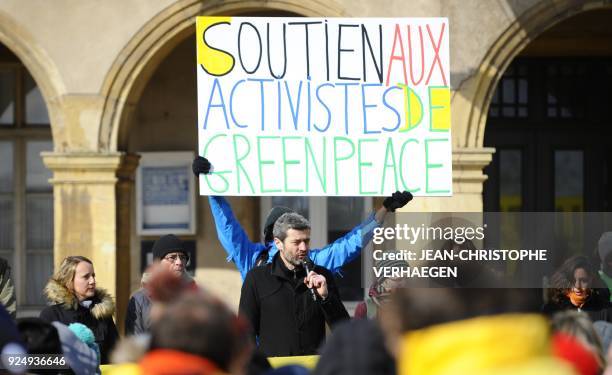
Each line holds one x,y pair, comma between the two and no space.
244,253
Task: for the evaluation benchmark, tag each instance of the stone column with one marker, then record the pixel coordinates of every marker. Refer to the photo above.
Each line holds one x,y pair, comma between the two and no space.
468,179
92,196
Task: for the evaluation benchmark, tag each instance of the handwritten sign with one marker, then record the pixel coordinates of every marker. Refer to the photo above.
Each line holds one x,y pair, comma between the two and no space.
329,107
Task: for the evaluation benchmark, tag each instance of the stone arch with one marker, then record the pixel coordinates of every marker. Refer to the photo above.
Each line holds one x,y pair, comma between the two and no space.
502,52
40,66
138,60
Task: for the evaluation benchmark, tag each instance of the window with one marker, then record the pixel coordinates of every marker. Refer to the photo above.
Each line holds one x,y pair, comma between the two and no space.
569,180
557,157
26,196
510,178
566,85
511,96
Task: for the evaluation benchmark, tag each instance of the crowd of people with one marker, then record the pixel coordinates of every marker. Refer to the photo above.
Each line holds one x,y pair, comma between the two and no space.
289,302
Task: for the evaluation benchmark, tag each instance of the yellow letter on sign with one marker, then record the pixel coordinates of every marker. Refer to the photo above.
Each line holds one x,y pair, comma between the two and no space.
439,108
214,60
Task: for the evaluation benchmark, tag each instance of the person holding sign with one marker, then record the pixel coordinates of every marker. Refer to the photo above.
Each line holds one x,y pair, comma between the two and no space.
324,107
287,301
246,254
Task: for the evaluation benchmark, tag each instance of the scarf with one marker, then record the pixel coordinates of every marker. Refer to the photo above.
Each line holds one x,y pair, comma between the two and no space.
577,300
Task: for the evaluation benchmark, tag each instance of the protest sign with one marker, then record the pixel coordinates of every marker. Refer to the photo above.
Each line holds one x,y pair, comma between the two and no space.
324,106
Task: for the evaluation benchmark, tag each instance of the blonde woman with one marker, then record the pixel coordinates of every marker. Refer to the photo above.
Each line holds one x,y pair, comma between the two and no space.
74,298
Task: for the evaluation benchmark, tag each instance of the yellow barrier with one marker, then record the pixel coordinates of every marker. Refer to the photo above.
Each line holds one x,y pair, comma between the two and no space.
308,361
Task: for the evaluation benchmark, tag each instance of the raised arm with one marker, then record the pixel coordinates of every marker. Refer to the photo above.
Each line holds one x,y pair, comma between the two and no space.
232,236
344,249
349,246
230,233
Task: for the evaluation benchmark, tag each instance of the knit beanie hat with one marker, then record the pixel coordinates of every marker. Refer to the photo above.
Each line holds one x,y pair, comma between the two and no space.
274,214
39,336
166,244
80,357
83,333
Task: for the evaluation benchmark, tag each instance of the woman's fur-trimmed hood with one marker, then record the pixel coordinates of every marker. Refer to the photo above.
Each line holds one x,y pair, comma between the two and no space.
103,304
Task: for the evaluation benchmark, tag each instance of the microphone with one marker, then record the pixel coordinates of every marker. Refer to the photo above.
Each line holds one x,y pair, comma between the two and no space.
306,264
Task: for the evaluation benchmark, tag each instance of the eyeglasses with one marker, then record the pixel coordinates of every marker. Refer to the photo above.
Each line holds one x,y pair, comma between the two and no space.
173,257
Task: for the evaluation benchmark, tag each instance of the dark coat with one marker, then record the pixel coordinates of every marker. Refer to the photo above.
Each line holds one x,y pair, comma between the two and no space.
137,319
98,317
282,312
597,306
138,316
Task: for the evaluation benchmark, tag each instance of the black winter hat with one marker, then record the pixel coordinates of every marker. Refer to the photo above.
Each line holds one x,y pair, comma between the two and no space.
39,336
274,214
166,244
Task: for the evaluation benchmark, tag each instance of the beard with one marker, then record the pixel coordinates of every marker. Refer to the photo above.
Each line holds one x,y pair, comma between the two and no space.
292,259
295,261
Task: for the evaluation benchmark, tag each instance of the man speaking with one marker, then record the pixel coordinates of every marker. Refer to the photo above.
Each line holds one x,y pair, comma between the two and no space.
286,305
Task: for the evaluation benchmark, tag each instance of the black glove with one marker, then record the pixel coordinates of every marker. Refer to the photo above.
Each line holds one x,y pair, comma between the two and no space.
200,165
397,200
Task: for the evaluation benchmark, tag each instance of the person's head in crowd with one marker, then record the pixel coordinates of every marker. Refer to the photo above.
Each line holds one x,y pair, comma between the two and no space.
40,337
292,238
383,286
573,352
82,357
86,336
469,330
580,326
164,286
259,363
76,273
201,325
74,297
169,251
356,347
423,307
575,280
273,215
604,249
